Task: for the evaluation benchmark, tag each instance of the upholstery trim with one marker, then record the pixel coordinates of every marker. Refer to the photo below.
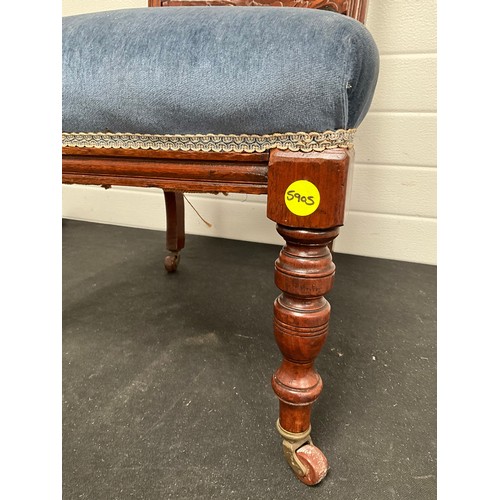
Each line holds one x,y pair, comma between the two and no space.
244,143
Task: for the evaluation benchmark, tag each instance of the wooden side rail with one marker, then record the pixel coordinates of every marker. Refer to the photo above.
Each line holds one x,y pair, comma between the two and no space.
167,170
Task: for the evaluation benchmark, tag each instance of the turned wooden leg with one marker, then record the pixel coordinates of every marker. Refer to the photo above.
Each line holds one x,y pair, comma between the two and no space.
306,197
174,204
304,273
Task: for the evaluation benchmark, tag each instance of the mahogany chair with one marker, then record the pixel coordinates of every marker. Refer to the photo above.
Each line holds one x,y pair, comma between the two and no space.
260,100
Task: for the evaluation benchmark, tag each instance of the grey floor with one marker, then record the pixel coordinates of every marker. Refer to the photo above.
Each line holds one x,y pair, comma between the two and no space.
166,378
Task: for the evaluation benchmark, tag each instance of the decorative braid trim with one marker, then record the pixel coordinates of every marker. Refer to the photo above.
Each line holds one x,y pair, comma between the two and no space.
292,141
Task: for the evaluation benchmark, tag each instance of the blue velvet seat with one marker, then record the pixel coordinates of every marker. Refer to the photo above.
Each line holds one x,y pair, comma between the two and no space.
216,78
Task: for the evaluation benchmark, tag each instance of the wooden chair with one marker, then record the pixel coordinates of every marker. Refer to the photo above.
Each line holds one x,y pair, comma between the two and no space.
305,178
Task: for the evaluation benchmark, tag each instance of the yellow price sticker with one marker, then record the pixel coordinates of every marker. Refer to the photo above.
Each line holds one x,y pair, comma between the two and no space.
302,198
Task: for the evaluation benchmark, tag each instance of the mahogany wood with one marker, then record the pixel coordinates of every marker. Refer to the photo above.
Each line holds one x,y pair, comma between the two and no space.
211,157
352,8
304,273
174,204
327,170
168,174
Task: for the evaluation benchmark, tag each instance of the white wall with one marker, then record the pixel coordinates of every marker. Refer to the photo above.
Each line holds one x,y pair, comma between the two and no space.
392,211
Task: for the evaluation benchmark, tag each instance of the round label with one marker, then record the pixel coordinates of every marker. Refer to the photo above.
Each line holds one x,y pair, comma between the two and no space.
302,197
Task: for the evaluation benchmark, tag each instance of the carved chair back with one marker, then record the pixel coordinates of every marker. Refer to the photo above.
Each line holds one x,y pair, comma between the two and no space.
352,8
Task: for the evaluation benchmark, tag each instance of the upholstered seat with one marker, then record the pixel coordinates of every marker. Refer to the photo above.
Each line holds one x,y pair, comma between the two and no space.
216,78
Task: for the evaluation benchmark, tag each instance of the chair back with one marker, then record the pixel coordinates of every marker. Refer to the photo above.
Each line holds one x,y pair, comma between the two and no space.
352,8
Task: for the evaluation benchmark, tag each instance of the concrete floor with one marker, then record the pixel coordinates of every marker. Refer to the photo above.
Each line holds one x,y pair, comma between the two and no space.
166,378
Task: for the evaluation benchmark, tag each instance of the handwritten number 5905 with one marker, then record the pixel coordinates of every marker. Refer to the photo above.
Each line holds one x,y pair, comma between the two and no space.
293,195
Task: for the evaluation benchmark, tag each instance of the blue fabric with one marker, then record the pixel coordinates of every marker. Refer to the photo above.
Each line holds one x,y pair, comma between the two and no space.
223,70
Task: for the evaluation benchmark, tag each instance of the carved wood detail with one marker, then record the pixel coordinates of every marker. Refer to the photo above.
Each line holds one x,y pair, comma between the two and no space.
341,6
352,8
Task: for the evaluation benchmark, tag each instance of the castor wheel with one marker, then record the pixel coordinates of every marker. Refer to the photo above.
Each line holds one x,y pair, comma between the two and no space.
306,460
172,260
315,463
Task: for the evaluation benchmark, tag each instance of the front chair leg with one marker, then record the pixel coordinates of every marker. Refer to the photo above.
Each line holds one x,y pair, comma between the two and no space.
304,272
306,198
174,204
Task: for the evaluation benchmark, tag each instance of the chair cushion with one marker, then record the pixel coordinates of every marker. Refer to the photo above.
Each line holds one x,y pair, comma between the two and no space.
215,78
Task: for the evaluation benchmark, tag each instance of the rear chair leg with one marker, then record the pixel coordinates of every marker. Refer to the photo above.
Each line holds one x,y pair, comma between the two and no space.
174,204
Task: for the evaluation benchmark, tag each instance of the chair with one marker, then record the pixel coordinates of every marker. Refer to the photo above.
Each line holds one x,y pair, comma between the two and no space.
233,96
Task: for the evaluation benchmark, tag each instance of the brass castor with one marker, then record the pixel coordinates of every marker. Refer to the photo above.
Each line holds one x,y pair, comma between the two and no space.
306,460
172,260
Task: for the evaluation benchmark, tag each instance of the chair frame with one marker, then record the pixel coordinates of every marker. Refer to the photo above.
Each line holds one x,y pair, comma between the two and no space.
304,270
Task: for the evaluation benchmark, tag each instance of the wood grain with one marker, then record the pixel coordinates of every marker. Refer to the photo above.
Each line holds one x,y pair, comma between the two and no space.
174,206
212,157
170,175
304,272
327,170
